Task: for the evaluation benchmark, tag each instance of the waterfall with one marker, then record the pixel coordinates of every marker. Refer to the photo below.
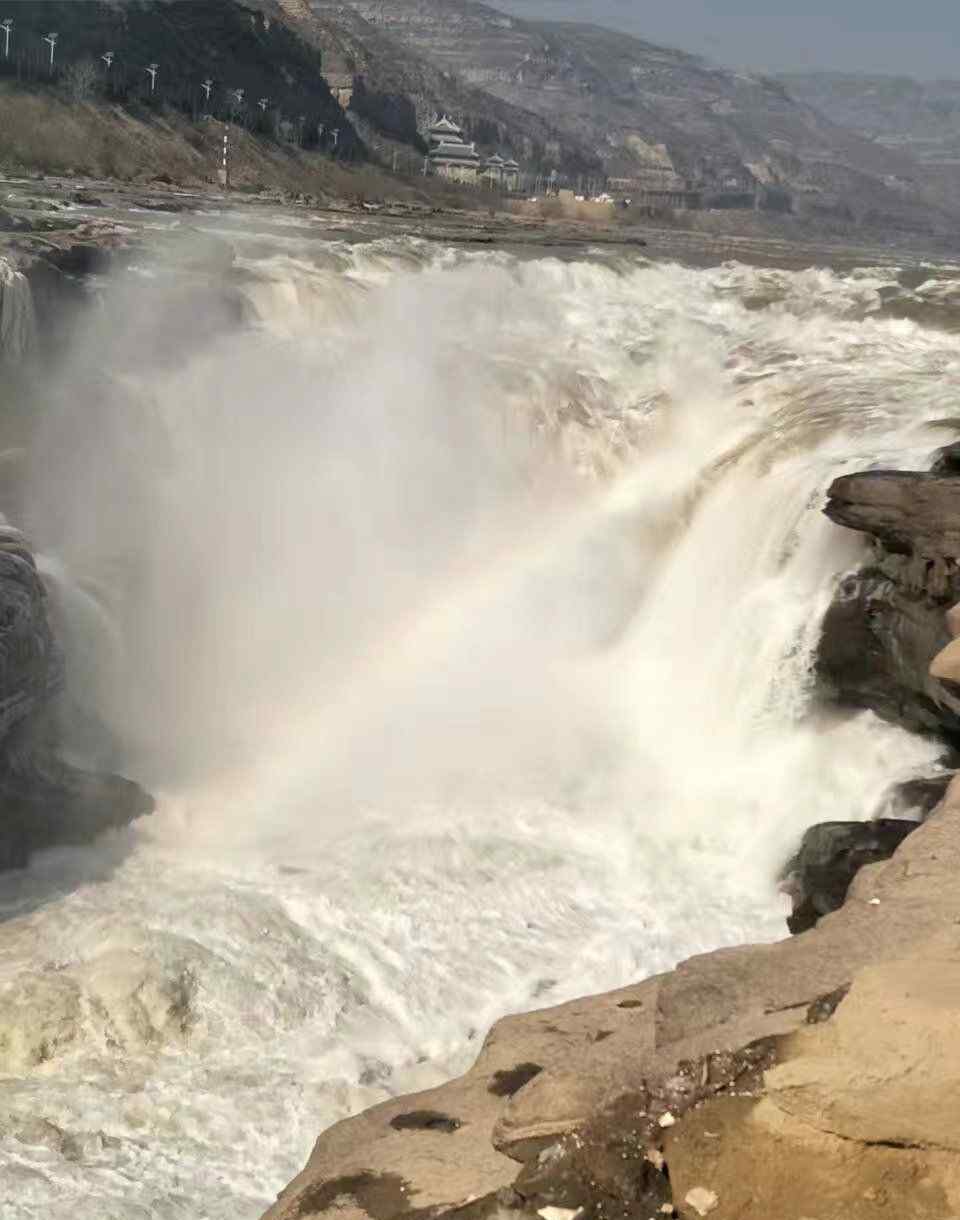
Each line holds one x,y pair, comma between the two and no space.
17,320
460,609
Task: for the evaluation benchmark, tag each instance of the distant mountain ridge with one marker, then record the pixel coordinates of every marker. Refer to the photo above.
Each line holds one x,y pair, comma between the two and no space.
916,119
580,96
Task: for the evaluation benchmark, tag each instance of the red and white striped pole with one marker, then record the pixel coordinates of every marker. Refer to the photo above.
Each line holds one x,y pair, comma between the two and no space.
224,163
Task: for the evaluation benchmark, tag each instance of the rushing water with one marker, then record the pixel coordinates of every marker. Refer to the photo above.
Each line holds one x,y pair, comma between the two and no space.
460,612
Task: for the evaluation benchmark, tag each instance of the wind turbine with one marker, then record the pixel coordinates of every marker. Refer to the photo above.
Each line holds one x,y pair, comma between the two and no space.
6,25
152,70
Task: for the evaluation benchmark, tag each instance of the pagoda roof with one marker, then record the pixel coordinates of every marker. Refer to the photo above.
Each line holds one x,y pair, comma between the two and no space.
446,126
455,152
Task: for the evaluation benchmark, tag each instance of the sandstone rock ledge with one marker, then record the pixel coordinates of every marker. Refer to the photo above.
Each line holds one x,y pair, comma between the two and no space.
815,1078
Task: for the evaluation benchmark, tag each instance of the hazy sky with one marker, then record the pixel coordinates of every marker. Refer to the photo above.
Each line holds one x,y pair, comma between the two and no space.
918,38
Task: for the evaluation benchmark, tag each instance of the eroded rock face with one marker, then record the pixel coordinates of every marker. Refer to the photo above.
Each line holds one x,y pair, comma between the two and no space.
890,619
830,855
42,800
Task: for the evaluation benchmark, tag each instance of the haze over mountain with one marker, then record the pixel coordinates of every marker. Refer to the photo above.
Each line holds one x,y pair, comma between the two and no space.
919,118
777,35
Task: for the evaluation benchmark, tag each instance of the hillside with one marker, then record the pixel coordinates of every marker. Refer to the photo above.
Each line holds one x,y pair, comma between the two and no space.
918,118
243,53
398,89
653,113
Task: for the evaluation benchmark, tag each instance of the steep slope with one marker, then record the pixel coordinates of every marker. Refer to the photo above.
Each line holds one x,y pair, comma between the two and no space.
397,90
235,46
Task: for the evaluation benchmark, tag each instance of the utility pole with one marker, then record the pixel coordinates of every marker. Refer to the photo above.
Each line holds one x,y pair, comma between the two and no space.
152,70
225,160
6,25
52,40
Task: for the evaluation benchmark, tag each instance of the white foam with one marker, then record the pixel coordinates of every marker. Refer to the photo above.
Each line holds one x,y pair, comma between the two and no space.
462,616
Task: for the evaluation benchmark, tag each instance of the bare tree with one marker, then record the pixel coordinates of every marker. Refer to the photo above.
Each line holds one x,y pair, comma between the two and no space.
80,79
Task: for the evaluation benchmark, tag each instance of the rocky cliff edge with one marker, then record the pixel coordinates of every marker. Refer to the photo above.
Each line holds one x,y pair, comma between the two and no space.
815,1077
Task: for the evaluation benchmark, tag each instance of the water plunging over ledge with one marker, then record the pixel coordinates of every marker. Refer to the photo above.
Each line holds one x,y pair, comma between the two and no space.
459,610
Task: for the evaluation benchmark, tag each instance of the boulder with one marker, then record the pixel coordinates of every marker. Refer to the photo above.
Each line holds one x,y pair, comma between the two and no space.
914,799
913,513
947,460
890,618
830,855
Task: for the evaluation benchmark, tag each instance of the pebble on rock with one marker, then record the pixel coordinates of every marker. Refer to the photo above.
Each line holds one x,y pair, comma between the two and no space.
702,1201
560,1213
666,1120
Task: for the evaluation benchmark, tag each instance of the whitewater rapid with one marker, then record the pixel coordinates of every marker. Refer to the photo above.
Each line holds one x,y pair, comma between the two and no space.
460,611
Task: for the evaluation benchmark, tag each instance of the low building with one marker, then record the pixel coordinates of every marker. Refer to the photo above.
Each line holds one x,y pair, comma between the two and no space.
450,155
457,162
492,173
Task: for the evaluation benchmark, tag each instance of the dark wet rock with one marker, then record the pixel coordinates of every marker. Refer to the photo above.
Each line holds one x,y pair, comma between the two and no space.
425,1120
511,1080
831,854
879,636
887,621
43,801
912,513
947,460
914,798
165,204
823,1009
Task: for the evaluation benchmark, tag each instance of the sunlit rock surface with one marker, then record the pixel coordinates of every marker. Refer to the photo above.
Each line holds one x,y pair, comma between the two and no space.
676,1071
